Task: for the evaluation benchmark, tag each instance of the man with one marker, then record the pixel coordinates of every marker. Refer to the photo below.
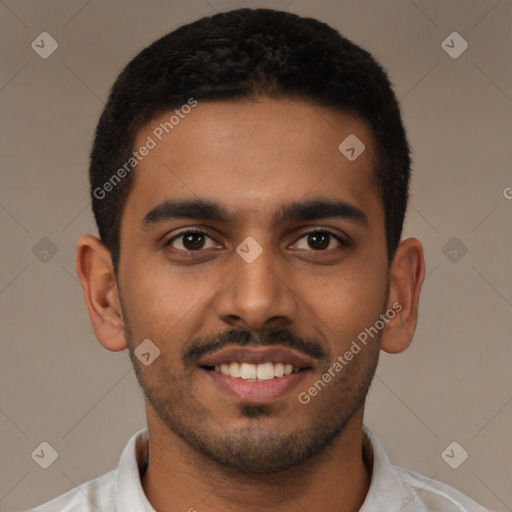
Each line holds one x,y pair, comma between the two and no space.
249,178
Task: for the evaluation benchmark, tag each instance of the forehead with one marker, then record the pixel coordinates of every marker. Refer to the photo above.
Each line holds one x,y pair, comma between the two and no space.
252,156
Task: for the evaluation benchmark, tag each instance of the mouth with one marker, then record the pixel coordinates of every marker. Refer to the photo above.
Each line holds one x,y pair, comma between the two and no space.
257,374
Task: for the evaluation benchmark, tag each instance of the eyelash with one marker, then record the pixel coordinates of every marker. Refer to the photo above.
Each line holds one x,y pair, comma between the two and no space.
342,242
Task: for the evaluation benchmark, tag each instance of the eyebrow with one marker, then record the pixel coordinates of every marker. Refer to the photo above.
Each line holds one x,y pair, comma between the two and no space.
204,209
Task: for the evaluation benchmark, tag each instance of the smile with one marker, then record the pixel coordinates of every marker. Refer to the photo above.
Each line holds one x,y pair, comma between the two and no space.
255,372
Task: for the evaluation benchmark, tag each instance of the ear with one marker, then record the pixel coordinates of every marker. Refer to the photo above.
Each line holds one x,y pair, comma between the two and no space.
406,278
94,267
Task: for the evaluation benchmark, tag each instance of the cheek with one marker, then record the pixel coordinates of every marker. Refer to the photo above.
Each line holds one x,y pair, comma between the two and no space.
165,306
147,311
150,294
349,301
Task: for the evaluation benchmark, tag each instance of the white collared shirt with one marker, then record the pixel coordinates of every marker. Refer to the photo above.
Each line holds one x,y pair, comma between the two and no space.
392,489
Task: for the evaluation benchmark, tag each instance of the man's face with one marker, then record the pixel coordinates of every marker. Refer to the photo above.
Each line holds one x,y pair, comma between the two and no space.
301,302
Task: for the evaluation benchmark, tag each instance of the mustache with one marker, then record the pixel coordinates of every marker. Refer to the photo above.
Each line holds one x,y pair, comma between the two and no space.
243,338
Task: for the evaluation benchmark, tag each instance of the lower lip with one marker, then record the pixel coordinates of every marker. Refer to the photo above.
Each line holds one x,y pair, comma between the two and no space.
256,392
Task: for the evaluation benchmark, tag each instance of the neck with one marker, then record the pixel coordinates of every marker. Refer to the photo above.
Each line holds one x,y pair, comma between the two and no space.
179,479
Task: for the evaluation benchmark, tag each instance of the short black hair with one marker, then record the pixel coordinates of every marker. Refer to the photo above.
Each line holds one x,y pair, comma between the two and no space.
247,53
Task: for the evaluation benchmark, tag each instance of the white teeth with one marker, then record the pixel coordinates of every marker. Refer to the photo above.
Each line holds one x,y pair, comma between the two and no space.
234,369
249,371
279,369
265,371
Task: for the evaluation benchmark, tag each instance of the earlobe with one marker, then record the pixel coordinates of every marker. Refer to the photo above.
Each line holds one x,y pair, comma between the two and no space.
94,268
406,279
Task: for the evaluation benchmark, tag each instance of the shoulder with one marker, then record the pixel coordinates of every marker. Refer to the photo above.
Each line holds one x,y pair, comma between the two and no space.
111,491
395,488
425,494
91,496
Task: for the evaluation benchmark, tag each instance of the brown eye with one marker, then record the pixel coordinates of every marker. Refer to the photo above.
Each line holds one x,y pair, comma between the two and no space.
319,241
189,241
193,241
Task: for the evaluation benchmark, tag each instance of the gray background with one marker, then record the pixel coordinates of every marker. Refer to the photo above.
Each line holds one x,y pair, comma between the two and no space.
454,383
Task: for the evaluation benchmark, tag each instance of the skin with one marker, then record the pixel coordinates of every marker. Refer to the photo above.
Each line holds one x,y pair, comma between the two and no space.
252,157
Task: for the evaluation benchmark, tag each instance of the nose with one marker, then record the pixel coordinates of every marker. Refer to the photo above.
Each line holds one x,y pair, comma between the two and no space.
255,295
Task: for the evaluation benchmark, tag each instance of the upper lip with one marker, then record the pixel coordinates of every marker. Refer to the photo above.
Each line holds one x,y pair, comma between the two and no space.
256,355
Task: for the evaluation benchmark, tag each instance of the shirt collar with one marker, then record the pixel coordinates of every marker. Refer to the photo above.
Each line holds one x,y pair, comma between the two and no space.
132,466
386,492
